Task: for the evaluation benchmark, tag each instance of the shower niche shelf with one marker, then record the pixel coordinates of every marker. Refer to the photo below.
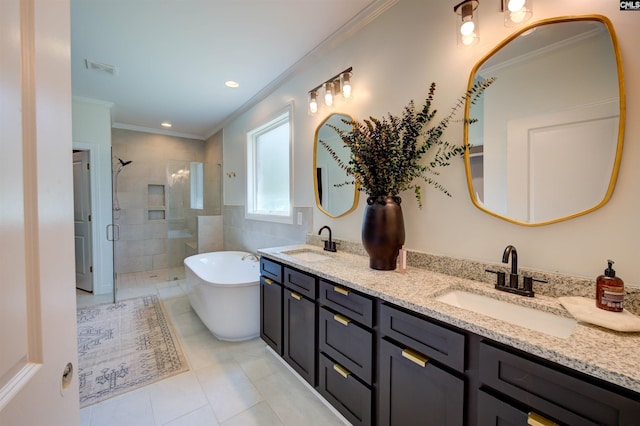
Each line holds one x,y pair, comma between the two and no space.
155,202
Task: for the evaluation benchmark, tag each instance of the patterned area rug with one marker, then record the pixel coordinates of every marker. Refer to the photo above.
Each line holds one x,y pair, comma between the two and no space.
124,346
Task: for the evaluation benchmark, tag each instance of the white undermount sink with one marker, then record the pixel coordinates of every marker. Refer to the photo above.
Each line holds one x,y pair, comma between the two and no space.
307,255
544,322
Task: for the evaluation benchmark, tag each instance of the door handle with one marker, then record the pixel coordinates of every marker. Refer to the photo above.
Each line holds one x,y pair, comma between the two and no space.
341,290
535,419
268,281
342,320
415,357
341,370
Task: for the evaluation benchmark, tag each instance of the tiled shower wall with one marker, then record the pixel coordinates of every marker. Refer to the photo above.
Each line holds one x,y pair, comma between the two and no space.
143,235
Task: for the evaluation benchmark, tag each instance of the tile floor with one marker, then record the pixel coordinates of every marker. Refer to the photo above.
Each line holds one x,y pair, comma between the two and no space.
228,383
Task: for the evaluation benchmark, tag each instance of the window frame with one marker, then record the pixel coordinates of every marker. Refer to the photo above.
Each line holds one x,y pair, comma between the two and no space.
282,116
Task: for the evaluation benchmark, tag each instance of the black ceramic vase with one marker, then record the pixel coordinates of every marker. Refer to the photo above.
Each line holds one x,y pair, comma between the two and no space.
383,231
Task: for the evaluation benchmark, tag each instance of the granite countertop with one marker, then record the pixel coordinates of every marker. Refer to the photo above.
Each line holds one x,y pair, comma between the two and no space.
608,355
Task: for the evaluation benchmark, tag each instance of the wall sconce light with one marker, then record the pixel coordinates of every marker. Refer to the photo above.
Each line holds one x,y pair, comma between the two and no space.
328,93
467,26
313,101
516,12
336,85
346,85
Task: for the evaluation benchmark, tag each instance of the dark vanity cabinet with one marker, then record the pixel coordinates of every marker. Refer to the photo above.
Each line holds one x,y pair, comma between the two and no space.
421,371
517,387
346,342
271,304
378,363
300,323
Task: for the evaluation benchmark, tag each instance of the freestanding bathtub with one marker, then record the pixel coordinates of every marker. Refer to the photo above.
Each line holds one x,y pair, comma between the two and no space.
224,289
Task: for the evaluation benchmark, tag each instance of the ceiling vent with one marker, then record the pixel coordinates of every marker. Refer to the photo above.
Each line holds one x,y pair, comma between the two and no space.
101,67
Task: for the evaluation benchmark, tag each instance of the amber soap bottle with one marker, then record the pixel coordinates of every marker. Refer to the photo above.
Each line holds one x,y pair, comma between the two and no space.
609,290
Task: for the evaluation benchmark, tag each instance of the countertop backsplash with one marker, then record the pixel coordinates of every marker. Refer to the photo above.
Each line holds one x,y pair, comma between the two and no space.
557,285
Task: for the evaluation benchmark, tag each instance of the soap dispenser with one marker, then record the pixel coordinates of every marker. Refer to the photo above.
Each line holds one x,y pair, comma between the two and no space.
609,290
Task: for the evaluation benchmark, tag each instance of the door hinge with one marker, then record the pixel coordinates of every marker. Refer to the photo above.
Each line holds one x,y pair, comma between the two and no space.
91,269
88,166
89,219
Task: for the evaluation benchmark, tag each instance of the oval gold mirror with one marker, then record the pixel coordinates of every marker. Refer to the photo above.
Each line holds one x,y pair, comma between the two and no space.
333,196
548,140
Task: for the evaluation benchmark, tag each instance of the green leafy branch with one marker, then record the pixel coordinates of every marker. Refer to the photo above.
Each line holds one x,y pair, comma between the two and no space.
386,154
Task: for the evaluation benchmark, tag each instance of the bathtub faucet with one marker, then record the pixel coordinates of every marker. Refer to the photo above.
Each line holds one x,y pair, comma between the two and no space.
248,255
329,245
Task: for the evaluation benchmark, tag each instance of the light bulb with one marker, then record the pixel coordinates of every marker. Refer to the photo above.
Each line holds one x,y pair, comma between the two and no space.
517,12
346,90
468,40
466,29
515,5
313,102
328,94
346,85
518,16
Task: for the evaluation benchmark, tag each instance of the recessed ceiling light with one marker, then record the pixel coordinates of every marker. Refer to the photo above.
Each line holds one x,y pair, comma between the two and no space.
166,124
232,84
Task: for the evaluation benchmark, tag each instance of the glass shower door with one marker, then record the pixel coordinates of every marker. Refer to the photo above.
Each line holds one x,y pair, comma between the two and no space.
180,222
194,189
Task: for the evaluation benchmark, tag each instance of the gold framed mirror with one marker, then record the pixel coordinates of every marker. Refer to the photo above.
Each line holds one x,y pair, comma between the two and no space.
548,141
333,197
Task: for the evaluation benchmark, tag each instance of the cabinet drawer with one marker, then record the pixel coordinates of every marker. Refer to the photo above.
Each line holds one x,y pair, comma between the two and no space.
270,269
347,302
347,395
348,343
492,411
411,392
300,282
434,341
554,393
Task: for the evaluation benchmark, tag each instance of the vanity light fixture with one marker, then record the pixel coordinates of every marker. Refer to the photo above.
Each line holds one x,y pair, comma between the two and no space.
313,101
346,85
339,84
328,94
516,12
467,26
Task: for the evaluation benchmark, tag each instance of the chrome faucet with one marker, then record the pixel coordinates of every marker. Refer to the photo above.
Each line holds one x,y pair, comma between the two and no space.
513,277
329,245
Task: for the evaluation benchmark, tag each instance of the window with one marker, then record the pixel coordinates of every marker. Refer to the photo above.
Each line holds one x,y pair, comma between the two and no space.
196,176
269,170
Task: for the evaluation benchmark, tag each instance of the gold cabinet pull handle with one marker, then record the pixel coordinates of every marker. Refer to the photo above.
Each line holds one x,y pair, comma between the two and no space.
415,357
268,281
341,290
296,295
341,370
535,419
342,320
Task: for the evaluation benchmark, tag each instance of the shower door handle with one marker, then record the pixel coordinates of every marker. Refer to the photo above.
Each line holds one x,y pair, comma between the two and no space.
115,232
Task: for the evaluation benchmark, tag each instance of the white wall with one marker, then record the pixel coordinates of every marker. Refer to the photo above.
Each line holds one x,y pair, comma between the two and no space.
394,59
92,131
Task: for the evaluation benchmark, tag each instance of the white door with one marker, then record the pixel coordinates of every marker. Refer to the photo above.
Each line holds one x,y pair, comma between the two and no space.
82,221
37,303
576,177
